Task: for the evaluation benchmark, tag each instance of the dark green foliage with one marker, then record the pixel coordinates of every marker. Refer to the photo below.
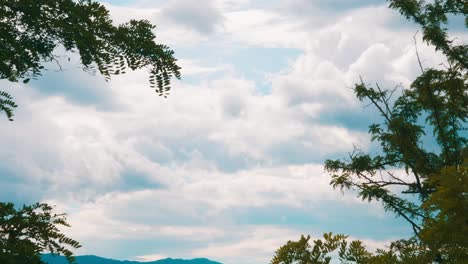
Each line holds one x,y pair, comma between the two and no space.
427,187
30,31
302,252
337,247
26,232
432,17
7,104
348,252
437,99
447,230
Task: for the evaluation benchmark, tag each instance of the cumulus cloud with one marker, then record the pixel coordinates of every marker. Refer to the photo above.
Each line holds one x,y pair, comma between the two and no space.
264,28
222,168
203,16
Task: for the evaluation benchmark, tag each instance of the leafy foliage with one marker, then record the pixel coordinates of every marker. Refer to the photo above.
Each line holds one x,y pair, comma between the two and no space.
348,252
31,230
447,230
432,16
30,31
7,104
436,100
302,253
426,186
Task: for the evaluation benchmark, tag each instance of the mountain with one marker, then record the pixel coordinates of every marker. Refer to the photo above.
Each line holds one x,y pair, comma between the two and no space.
51,259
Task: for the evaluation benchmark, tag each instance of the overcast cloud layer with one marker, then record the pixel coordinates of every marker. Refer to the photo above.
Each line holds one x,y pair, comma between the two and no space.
230,165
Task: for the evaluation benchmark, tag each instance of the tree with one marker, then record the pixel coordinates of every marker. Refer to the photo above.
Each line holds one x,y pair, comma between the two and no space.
323,250
427,187
302,252
30,33
31,30
447,230
31,230
432,17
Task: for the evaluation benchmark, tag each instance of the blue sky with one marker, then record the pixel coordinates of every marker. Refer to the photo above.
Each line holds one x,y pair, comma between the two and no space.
230,165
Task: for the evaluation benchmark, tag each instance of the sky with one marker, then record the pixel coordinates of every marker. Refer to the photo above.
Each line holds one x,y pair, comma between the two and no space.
230,166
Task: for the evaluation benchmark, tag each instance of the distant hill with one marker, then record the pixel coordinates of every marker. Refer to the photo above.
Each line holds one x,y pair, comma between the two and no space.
50,259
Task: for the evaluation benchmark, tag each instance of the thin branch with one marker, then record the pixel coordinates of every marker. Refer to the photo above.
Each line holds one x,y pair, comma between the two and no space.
382,183
417,52
374,102
415,227
434,108
394,177
384,100
58,64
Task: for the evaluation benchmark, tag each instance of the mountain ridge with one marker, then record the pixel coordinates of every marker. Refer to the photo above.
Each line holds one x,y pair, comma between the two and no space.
92,259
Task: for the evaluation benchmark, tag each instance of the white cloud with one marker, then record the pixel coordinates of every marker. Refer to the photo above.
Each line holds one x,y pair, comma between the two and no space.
152,257
263,28
183,168
203,16
195,68
257,245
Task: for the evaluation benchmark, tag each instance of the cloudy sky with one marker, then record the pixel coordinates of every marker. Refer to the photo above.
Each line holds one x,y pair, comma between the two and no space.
230,165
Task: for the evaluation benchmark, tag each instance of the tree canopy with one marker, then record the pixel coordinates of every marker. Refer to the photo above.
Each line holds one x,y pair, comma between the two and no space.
425,185
31,30
324,250
28,231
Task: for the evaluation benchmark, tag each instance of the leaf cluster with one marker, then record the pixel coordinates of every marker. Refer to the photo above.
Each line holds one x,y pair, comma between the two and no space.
425,185
447,231
322,251
432,16
27,232
302,252
30,31
437,100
